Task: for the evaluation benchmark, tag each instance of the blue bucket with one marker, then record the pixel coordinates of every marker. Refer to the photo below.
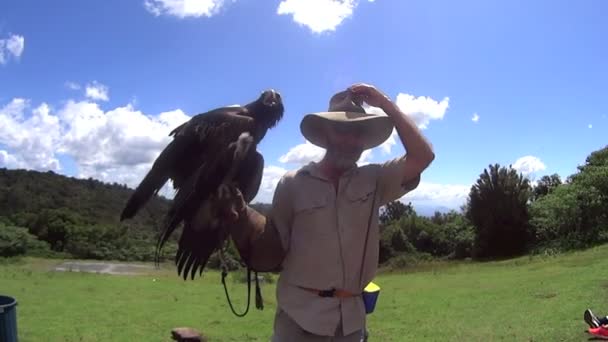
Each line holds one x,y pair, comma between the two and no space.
8,319
370,297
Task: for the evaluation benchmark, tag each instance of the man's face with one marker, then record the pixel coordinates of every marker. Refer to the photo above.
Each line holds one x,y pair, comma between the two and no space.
344,145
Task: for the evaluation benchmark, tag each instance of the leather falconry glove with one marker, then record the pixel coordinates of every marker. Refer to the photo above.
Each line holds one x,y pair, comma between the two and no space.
254,235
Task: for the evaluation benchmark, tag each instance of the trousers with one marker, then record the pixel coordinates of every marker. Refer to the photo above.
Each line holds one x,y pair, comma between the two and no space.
287,330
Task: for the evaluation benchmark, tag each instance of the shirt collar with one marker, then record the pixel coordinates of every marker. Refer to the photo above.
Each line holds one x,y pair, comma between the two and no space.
313,169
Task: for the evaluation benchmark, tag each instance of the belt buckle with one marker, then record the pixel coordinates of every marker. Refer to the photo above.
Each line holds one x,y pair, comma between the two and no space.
327,293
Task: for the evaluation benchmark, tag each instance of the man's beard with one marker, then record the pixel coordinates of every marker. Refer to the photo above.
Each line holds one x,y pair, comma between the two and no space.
343,158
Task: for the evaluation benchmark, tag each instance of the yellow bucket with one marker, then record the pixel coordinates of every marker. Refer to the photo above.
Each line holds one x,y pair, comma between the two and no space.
370,297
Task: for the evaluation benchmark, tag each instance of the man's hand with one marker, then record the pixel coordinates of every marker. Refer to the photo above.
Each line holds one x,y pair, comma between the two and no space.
419,151
230,202
371,95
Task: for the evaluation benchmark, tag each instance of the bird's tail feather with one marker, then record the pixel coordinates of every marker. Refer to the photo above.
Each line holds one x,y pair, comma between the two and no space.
182,204
195,249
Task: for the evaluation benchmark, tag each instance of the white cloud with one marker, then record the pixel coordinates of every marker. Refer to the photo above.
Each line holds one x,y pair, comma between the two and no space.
32,139
387,145
97,91
303,154
590,126
475,117
270,179
372,110
11,47
446,195
318,15
114,146
15,45
528,165
72,85
422,109
365,158
184,8
10,161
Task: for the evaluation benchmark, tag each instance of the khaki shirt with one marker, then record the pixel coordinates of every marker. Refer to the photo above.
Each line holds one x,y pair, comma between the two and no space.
324,234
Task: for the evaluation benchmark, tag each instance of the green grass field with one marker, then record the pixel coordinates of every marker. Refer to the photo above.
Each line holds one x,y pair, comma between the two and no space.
524,299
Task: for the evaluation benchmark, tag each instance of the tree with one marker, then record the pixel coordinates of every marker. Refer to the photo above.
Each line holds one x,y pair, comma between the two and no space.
596,158
53,226
561,218
546,185
497,208
395,210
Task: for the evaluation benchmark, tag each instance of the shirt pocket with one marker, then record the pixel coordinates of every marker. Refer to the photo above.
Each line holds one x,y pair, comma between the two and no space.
312,218
308,206
361,193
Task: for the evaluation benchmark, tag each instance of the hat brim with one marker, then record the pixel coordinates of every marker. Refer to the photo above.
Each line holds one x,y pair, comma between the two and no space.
376,128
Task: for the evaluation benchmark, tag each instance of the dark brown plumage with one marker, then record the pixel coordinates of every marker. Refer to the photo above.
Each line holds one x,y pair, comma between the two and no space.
199,159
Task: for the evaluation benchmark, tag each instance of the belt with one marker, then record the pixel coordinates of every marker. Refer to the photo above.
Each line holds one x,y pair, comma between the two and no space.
339,293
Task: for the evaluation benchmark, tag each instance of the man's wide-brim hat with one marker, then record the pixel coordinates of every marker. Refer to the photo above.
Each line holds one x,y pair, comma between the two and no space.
345,110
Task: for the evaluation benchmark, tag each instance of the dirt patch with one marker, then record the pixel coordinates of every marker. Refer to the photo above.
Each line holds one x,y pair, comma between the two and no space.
103,267
545,295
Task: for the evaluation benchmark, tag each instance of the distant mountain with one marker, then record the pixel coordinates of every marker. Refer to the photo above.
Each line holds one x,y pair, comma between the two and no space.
429,210
66,216
26,192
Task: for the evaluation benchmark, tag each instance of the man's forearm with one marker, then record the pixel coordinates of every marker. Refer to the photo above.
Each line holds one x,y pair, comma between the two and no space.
257,240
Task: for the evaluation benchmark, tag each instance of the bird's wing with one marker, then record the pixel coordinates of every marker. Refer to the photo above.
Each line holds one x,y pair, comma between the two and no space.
249,176
203,231
192,200
208,133
194,141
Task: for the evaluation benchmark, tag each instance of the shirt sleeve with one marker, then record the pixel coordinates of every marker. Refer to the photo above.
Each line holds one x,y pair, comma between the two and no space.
391,185
281,214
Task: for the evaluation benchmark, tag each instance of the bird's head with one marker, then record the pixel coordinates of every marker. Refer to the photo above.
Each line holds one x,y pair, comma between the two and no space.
268,108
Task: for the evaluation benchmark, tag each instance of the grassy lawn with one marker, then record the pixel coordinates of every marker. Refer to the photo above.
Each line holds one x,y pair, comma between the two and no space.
524,299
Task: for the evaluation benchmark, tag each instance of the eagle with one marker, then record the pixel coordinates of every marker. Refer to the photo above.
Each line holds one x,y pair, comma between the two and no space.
210,150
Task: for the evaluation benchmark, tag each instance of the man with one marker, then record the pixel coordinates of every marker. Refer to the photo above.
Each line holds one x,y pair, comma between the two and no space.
322,231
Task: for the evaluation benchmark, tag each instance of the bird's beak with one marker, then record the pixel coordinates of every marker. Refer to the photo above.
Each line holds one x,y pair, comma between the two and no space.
271,99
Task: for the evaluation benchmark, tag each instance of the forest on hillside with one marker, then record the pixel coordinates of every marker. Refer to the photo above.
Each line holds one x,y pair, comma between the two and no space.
51,215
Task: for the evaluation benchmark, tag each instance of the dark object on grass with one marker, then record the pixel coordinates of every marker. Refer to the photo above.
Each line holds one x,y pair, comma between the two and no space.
185,334
594,321
8,319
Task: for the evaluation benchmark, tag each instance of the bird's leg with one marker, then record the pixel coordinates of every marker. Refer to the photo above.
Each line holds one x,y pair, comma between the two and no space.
223,192
222,257
220,254
241,148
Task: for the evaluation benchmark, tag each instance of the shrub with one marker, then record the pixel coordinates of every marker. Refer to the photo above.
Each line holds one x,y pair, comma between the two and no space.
16,241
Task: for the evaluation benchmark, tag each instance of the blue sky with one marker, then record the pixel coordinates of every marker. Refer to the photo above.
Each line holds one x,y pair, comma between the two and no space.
534,74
